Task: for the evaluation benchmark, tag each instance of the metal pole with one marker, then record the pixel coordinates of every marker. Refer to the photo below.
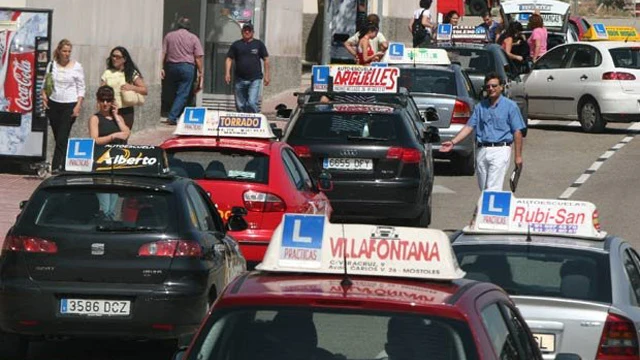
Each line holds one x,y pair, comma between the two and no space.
326,32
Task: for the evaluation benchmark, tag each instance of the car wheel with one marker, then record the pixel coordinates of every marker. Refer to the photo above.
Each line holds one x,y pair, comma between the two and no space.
590,116
13,346
465,165
477,7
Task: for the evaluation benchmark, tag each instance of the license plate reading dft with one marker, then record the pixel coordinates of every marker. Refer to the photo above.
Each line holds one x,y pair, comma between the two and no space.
95,307
348,164
546,342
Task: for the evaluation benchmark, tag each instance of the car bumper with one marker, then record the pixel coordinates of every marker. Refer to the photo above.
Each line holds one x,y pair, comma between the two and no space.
253,243
463,148
620,107
157,312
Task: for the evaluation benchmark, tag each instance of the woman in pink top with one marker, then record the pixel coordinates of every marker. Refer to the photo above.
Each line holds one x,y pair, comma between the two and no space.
538,39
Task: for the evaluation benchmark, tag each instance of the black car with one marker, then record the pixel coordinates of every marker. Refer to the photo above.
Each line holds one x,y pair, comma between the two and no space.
109,254
377,152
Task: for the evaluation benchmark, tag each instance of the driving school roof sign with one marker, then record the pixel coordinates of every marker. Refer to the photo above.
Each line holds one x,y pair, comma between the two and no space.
310,243
546,6
355,79
423,56
83,155
613,33
200,121
502,212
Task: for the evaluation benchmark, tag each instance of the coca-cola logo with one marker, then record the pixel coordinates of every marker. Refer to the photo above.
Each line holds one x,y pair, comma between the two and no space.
22,74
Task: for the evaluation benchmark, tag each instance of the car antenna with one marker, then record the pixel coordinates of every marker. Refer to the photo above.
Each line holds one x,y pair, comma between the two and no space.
346,281
528,239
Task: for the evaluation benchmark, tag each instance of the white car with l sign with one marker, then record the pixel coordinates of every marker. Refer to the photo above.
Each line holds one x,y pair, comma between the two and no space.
593,82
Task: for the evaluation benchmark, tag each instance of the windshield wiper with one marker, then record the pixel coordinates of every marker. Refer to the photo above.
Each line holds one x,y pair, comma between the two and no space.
125,228
366,138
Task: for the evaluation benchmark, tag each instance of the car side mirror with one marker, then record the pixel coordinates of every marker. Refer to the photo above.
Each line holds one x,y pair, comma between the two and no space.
282,112
431,134
566,356
277,132
236,221
324,181
23,203
179,355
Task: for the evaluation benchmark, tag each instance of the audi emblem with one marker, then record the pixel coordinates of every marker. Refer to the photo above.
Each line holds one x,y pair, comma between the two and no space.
349,152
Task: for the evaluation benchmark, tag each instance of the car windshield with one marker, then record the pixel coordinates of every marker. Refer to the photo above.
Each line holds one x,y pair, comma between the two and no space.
539,271
473,61
428,81
293,334
100,209
627,57
338,127
220,164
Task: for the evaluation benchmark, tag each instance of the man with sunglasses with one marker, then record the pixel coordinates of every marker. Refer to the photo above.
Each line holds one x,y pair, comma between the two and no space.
247,53
498,124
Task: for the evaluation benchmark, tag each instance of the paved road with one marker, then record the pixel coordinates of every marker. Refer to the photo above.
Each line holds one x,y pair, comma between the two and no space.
557,154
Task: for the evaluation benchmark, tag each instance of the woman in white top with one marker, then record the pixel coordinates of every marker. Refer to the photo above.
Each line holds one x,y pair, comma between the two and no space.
422,16
65,102
122,74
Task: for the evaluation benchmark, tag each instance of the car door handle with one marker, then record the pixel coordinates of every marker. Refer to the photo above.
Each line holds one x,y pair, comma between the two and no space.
550,78
583,77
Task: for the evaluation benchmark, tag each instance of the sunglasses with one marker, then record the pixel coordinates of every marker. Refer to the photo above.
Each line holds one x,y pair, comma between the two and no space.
491,86
116,56
106,100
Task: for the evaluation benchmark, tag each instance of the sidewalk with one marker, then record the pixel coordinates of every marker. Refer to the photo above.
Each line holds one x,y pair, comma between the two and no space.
16,188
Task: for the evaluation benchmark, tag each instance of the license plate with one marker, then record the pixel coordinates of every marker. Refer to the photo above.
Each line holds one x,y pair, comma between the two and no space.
546,342
95,307
348,164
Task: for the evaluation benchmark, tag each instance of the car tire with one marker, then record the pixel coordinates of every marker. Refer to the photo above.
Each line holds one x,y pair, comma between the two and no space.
465,165
477,7
590,117
13,346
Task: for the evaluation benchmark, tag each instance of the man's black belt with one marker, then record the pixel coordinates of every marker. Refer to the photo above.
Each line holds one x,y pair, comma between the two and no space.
494,144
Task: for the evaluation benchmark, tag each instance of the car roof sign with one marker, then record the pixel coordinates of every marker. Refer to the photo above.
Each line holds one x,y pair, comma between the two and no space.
311,244
83,155
526,6
501,212
461,34
612,33
354,78
419,56
200,121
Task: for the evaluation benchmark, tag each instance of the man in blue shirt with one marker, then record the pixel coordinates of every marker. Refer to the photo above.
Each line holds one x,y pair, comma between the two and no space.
490,26
498,124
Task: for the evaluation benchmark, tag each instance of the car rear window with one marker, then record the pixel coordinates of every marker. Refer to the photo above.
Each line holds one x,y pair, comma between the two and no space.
291,334
428,81
220,164
335,127
539,271
628,57
101,209
473,61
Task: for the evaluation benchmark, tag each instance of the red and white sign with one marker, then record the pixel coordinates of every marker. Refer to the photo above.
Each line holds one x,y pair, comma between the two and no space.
364,79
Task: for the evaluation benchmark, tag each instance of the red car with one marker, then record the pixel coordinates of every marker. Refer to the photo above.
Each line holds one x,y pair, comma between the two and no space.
251,170
580,25
400,297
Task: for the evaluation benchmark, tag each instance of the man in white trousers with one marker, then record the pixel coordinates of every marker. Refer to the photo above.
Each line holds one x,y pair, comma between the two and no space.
498,125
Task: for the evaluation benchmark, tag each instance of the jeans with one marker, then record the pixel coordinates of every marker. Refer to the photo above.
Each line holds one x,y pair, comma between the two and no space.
247,94
108,204
180,77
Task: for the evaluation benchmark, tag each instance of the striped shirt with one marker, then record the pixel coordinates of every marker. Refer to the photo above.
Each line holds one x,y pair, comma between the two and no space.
68,83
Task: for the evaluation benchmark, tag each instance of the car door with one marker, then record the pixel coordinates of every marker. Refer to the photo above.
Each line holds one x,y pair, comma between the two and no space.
540,84
306,200
580,76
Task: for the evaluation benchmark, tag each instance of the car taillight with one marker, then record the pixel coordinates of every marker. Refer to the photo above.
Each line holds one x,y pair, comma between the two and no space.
613,75
406,155
171,248
29,244
263,202
619,339
302,151
461,113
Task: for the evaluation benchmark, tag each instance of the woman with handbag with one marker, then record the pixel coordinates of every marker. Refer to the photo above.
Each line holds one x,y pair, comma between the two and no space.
123,76
62,96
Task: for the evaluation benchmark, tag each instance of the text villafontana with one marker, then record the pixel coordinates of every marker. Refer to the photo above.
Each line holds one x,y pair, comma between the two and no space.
385,249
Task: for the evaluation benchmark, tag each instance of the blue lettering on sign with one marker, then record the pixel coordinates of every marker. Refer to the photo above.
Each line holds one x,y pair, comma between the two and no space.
194,115
445,29
80,149
379,64
303,231
524,17
600,29
396,49
320,75
496,203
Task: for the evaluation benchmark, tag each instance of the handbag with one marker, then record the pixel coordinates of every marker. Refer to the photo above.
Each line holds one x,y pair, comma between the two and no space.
49,87
131,98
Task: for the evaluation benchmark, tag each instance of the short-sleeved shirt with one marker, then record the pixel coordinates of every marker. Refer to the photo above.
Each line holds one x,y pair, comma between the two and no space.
424,12
496,123
375,42
115,79
490,29
247,56
181,46
538,34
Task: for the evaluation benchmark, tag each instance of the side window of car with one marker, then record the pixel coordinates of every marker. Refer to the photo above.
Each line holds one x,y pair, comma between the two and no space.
584,57
521,335
293,172
203,215
502,340
212,210
306,178
631,267
552,59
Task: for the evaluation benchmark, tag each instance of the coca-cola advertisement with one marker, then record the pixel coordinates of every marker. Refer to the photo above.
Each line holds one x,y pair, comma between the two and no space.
24,52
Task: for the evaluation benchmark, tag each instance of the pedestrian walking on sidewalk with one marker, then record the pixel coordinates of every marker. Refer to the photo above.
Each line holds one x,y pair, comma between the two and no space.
65,100
497,124
247,53
182,58
123,75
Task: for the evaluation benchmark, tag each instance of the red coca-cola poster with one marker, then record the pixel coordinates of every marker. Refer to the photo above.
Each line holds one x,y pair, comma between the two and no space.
24,52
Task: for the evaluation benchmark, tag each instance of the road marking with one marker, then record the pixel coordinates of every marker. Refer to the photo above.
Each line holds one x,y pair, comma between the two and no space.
439,189
534,122
635,127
